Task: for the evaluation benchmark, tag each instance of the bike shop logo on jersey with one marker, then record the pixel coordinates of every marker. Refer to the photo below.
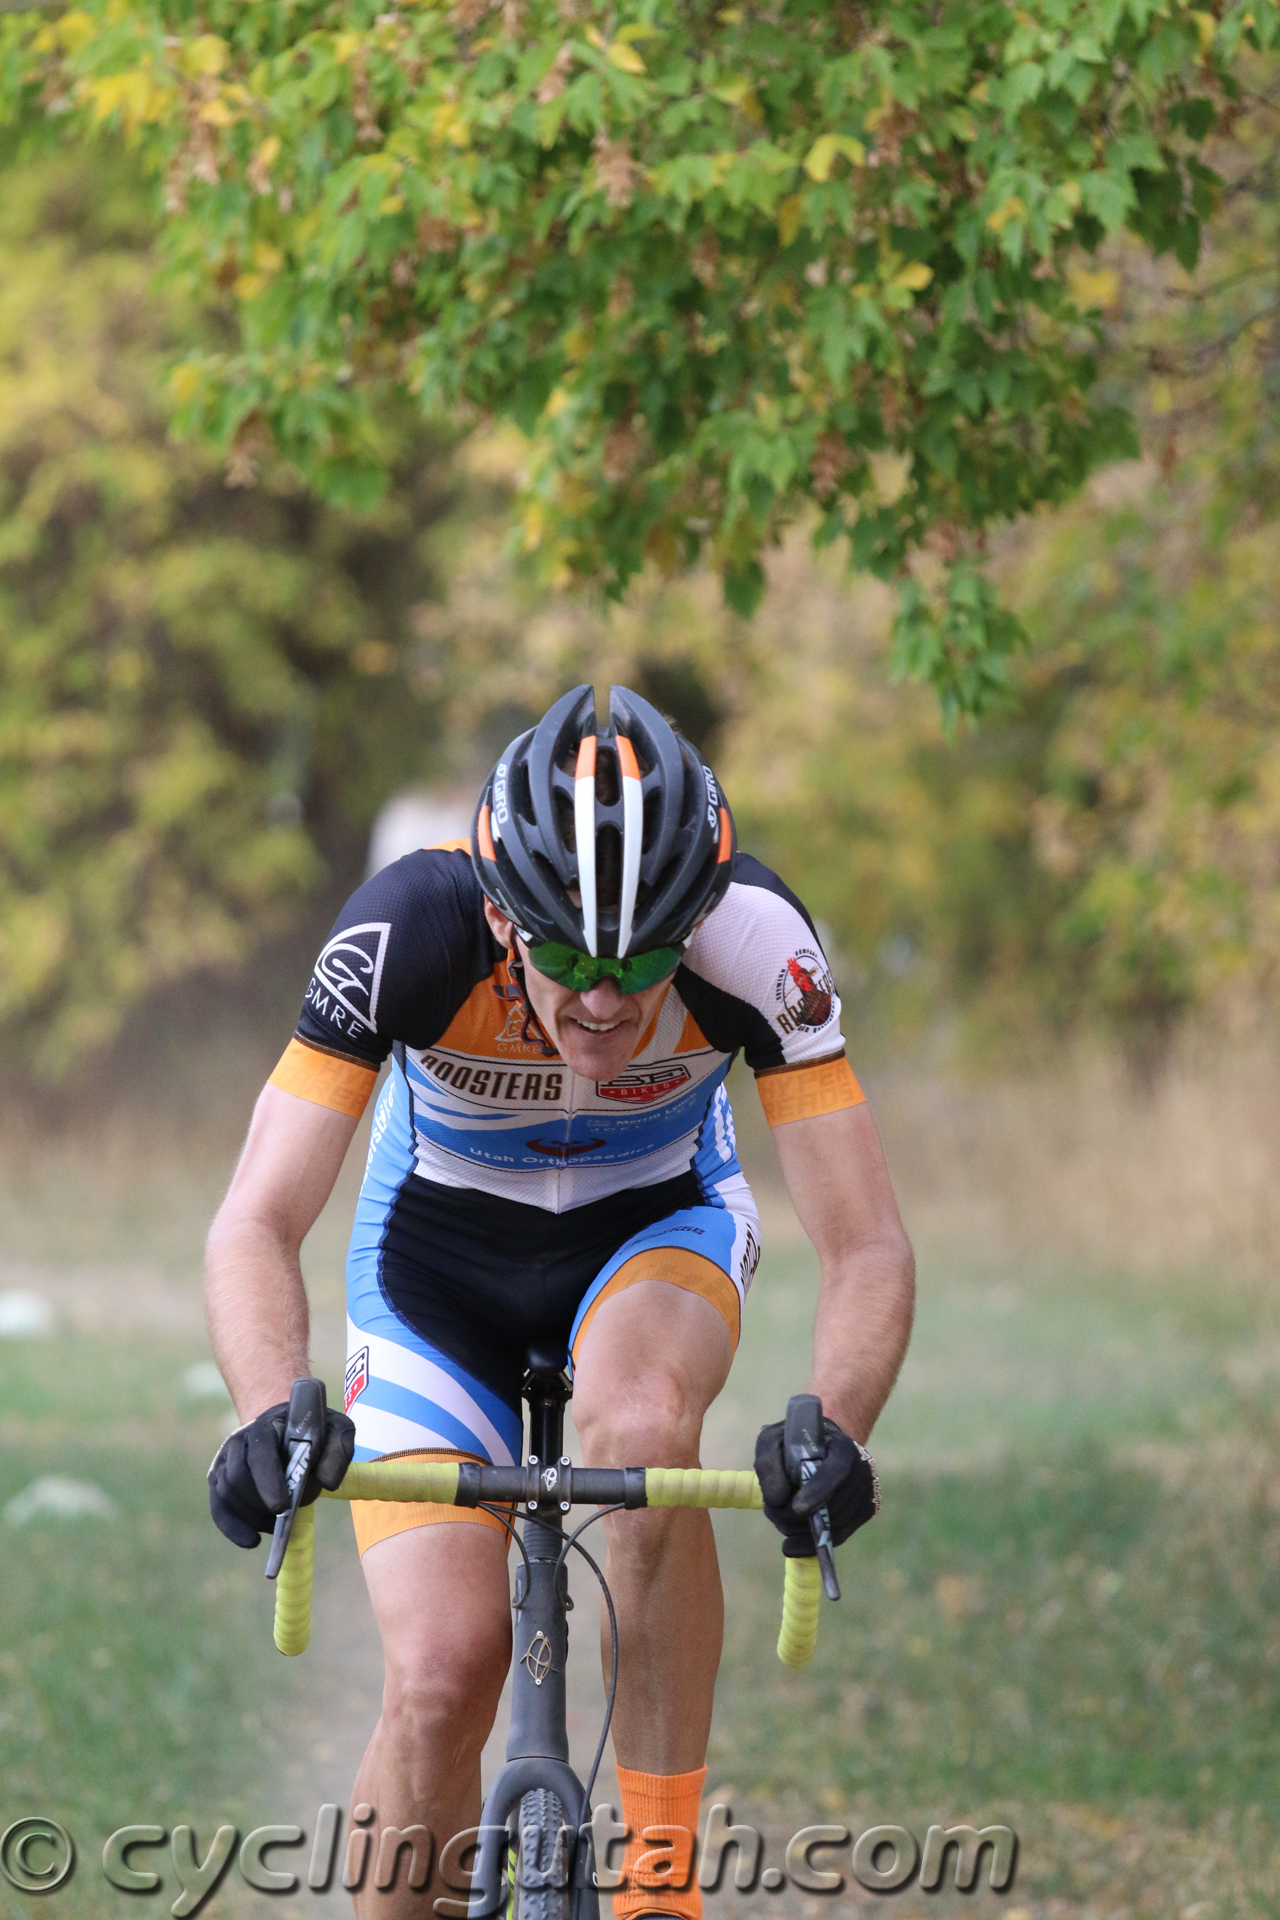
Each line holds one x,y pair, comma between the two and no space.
804,992
641,1086
344,986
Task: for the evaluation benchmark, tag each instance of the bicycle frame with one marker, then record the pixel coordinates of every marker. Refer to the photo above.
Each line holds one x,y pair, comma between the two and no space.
543,1489
538,1741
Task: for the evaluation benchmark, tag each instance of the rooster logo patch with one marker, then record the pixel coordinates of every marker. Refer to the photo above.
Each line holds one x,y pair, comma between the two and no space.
804,992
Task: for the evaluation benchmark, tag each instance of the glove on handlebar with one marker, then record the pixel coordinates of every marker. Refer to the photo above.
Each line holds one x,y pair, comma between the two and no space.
246,1481
845,1484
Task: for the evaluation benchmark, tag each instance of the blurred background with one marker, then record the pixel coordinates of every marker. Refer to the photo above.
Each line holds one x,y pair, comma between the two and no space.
1056,937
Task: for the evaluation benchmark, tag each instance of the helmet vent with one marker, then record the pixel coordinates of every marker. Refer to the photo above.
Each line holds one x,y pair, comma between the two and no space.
608,869
607,794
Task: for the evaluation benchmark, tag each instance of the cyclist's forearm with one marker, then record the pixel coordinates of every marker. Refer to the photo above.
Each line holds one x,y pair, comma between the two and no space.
256,1306
836,1175
861,1330
254,1296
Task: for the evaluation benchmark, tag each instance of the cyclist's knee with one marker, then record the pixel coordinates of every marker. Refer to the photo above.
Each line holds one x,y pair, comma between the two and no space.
446,1686
653,1419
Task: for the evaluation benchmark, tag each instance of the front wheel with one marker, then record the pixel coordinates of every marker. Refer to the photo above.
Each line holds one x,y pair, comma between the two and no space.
542,1890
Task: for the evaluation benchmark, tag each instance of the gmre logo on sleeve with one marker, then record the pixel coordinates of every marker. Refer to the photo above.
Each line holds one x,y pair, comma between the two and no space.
344,986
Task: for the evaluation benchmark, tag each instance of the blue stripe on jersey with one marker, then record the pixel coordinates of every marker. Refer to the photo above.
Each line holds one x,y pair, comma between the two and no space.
391,1161
716,1154
391,1157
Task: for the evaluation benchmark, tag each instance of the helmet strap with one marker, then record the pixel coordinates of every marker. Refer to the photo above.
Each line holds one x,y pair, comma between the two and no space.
532,1033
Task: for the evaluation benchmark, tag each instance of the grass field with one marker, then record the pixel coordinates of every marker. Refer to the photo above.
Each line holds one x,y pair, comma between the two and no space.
1066,1618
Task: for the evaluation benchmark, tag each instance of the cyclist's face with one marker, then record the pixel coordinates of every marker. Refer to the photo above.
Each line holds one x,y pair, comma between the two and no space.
595,1033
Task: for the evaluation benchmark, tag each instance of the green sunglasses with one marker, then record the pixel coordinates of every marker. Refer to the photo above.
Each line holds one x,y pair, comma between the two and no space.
580,971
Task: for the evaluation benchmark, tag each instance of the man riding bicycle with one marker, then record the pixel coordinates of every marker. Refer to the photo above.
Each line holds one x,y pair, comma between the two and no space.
552,1163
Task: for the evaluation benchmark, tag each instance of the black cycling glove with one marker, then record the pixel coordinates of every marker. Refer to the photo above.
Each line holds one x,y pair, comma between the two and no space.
845,1484
246,1481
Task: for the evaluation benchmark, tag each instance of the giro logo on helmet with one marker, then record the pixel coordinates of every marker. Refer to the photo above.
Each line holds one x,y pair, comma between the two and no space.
713,799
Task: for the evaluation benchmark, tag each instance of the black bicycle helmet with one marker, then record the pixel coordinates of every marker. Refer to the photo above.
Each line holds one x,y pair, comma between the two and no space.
627,819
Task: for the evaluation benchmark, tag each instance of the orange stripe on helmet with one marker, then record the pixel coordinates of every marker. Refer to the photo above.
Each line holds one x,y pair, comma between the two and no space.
627,761
585,769
726,837
485,837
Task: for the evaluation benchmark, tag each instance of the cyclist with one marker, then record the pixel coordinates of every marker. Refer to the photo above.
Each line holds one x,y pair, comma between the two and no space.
552,1160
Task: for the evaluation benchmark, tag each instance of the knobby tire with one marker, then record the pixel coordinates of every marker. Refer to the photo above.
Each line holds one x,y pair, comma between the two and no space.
542,1890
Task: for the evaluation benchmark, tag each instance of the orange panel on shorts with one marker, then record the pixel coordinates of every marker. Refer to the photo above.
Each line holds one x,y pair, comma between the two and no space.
376,1520
680,1268
326,1079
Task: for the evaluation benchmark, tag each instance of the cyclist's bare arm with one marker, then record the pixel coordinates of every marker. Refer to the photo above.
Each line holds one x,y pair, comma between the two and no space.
835,1171
254,1297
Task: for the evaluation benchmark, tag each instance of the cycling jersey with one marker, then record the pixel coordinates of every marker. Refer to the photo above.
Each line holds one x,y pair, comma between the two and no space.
411,963
505,1196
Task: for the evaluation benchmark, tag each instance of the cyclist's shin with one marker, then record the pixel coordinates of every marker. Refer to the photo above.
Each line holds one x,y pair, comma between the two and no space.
660,1861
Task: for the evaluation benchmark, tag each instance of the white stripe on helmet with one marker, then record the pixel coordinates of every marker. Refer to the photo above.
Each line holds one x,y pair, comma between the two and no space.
632,839
584,827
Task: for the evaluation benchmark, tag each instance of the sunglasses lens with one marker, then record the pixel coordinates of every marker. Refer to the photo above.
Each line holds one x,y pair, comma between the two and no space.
646,969
580,972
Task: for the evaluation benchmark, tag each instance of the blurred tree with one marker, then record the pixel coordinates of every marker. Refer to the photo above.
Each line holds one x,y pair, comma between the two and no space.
201,686
722,263
1109,849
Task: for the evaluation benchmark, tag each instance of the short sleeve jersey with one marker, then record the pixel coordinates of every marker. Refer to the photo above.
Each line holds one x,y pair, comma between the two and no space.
412,966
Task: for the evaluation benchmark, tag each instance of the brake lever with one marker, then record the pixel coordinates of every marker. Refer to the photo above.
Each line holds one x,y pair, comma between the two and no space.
304,1437
802,1449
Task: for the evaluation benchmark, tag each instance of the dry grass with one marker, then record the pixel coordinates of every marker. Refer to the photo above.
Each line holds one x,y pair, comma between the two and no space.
1082,1161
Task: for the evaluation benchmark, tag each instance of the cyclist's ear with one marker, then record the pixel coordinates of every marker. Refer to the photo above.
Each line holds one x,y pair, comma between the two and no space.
502,929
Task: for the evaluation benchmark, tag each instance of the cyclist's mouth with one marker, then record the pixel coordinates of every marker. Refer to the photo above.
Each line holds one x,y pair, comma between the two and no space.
595,1026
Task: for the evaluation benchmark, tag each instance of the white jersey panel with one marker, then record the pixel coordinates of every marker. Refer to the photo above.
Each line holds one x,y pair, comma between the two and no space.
758,947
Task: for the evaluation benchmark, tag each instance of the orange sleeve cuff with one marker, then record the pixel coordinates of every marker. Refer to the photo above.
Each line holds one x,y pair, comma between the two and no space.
803,1093
324,1078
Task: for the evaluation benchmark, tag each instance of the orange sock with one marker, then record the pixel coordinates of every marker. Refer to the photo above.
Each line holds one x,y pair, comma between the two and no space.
662,1811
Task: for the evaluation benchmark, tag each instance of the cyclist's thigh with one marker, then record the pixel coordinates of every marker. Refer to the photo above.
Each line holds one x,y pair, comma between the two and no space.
440,1597
648,1367
655,1333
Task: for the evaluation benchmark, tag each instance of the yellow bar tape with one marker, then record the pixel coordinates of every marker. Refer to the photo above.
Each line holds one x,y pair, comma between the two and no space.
701,1487
801,1598
432,1480
293,1584
437,1481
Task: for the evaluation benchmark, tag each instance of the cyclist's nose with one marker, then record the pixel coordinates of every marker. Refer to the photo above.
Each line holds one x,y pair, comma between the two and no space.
603,1001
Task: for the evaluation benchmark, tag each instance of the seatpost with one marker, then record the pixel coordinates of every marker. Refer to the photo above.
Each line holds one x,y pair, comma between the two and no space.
548,1393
